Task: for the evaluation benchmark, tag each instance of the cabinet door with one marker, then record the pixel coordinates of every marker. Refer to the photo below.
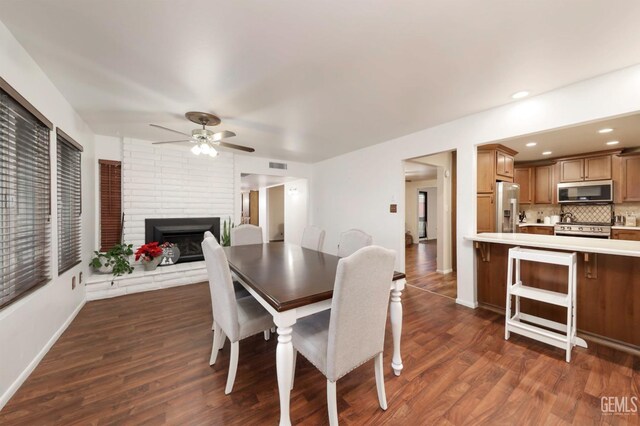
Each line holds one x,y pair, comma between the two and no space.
486,213
541,230
625,234
543,187
572,170
504,164
631,178
597,168
524,178
486,171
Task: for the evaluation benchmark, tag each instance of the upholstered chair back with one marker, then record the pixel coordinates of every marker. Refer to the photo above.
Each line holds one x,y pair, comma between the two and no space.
352,241
359,309
246,234
313,238
223,299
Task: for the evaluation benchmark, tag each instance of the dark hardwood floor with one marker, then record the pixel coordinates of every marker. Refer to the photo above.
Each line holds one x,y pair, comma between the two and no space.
143,359
420,265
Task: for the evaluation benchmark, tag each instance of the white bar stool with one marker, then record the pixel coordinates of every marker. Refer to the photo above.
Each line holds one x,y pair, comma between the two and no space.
522,323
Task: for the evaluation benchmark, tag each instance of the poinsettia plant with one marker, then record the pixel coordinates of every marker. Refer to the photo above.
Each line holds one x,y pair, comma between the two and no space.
148,251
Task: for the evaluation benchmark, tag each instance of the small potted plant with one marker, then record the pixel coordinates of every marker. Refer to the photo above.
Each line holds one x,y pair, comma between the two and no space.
225,237
151,254
115,260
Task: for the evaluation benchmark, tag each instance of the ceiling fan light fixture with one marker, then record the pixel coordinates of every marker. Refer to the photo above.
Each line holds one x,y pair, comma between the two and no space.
196,150
213,153
205,148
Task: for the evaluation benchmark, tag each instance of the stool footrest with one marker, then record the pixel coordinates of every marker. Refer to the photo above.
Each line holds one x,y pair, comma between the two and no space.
547,296
515,325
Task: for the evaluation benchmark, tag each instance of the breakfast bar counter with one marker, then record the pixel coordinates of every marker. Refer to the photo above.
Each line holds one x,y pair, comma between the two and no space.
608,283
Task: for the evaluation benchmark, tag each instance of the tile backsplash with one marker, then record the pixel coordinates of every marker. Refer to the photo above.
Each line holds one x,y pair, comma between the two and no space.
534,210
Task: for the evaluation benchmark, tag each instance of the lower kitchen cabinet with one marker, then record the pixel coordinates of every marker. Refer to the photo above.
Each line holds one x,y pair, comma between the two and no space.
626,234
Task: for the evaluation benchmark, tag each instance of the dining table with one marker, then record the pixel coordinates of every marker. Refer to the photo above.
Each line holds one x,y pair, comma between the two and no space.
293,282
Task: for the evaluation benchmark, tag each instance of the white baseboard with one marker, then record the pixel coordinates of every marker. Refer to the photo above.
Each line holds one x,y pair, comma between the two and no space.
466,303
34,363
444,271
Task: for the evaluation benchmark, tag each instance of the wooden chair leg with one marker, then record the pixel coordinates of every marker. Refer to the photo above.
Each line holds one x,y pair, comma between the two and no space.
332,404
217,331
293,372
233,368
382,396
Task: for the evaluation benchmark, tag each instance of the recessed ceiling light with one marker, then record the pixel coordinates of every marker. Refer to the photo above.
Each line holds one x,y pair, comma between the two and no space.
532,144
613,142
520,95
546,153
605,130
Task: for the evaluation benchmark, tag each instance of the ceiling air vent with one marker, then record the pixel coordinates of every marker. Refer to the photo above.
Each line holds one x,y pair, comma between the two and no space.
281,166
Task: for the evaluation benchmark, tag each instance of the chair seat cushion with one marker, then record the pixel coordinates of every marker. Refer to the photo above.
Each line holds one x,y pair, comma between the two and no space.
252,317
311,336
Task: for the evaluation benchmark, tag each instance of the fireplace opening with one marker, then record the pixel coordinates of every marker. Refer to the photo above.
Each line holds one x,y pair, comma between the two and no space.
187,233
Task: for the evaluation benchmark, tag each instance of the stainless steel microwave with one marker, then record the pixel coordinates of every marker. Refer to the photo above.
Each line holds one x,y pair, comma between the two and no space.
597,191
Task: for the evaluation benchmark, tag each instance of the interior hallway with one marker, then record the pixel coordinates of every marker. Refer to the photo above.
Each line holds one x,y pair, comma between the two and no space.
420,265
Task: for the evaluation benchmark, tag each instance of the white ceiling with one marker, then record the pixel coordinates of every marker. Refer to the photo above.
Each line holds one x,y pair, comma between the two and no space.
253,182
578,139
308,80
415,171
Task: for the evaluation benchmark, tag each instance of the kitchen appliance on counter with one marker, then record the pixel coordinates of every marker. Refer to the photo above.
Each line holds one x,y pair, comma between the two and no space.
598,191
583,229
507,206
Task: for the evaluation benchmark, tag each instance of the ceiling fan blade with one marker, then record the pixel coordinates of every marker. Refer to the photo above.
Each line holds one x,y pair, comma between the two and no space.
184,140
222,135
234,146
169,130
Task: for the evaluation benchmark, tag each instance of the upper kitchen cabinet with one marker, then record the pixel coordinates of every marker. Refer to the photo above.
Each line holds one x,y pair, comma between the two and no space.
544,185
585,169
630,178
495,163
524,177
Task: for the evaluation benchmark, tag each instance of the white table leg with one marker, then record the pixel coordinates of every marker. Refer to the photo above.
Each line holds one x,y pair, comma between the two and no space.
284,362
395,308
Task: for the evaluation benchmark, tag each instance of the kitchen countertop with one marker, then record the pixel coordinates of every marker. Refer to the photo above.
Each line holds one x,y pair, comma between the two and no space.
578,244
535,224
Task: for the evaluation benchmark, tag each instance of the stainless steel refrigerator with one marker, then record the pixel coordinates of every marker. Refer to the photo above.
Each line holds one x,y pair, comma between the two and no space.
507,206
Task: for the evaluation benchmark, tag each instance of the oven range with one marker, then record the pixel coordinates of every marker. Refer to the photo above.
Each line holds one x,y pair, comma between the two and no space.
585,229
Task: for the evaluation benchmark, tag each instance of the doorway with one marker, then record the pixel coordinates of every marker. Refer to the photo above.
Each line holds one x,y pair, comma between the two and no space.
430,191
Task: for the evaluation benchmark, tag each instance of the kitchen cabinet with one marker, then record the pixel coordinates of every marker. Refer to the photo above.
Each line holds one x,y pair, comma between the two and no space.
486,213
486,171
630,179
626,234
504,164
586,169
544,185
539,230
523,176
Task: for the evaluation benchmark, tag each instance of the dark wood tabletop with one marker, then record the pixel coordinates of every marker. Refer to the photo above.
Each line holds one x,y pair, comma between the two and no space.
286,275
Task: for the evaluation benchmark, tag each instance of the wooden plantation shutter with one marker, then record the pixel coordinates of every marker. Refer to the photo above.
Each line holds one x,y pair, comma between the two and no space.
69,202
25,198
110,203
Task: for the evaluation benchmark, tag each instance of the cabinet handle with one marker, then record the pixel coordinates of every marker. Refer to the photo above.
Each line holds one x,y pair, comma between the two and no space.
491,199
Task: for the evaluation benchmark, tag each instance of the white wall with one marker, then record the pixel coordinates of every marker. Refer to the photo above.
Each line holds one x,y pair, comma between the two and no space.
30,326
296,202
355,189
276,212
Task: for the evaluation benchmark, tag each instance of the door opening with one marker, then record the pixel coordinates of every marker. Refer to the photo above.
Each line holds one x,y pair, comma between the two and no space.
422,214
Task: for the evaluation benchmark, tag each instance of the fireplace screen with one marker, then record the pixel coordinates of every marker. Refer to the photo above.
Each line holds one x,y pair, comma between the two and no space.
186,233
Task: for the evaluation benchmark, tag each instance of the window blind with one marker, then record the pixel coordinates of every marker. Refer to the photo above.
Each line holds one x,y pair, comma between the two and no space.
25,201
69,203
110,203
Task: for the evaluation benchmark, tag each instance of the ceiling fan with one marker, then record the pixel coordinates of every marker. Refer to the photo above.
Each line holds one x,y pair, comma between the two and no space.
204,140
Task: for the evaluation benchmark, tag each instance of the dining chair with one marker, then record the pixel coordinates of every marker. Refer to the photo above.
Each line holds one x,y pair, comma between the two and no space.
246,234
313,238
352,241
338,340
234,318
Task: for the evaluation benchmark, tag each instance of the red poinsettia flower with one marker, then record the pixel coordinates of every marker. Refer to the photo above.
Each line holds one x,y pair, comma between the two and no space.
148,251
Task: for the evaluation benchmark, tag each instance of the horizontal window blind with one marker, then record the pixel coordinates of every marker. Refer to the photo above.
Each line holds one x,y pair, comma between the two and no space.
25,201
110,203
69,204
